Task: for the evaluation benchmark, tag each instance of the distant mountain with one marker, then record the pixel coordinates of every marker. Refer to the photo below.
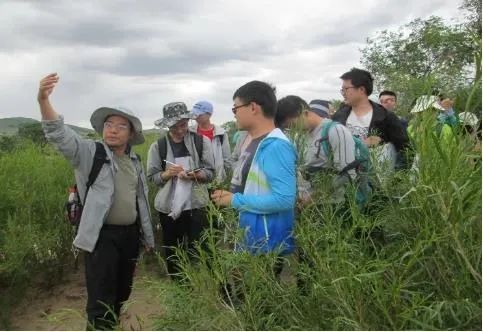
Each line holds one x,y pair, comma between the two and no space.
9,126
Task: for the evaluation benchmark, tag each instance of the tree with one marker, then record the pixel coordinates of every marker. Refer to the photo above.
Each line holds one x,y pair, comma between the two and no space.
8,143
422,56
473,15
472,10
230,128
34,132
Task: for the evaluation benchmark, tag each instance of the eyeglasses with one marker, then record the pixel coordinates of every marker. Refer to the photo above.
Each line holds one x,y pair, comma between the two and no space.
120,127
344,89
235,108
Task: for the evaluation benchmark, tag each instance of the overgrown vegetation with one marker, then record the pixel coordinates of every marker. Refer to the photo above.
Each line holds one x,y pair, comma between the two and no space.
412,261
34,238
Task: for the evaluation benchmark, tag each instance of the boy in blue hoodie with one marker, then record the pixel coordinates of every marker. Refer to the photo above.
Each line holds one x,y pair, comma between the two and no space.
263,186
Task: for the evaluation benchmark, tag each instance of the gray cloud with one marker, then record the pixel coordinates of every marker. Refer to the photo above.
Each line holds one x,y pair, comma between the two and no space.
145,54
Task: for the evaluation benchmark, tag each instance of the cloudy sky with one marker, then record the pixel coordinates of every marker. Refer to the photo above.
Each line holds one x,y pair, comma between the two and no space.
144,54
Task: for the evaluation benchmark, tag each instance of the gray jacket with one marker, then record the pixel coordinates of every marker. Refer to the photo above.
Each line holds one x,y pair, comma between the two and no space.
80,152
240,146
221,151
165,194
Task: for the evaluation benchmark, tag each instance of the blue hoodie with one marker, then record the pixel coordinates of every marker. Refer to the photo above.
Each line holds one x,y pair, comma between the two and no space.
268,202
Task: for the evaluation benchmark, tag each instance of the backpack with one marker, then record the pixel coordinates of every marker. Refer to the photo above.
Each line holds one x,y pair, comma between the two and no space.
163,148
74,205
362,164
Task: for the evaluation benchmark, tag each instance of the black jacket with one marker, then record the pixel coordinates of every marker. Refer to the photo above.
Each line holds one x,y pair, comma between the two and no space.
385,123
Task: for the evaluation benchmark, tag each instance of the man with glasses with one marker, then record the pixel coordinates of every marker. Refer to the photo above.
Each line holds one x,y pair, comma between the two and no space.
367,120
180,164
263,187
115,207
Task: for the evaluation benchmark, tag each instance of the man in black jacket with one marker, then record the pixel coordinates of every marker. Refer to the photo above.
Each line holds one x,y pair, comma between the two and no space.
371,122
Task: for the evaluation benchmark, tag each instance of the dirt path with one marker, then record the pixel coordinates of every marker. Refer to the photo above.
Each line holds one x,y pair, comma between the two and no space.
62,307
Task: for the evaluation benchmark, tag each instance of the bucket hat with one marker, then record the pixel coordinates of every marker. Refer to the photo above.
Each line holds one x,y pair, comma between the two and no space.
100,115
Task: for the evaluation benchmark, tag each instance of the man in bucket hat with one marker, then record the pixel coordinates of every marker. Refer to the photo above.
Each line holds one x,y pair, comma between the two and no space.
180,163
115,211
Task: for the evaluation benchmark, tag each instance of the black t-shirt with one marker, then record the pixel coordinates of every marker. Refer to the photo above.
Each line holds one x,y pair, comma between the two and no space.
179,149
240,174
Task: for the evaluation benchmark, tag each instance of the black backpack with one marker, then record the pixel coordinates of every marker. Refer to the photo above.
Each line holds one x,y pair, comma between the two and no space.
163,147
74,204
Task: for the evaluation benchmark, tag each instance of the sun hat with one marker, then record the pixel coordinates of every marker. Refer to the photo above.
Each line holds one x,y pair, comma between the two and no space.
426,102
468,119
101,114
172,114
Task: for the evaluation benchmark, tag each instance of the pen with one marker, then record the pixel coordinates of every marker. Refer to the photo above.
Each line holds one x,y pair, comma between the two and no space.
168,162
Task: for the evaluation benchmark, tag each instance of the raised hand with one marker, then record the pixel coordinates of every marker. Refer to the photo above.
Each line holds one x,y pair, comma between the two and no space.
46,86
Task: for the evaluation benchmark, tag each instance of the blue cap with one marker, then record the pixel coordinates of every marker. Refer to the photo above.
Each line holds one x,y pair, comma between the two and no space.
202,107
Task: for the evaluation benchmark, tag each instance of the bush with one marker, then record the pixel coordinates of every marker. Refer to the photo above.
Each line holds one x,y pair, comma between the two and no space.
35,240
412,263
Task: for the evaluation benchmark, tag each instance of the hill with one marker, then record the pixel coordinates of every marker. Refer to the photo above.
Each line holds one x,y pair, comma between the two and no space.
9,126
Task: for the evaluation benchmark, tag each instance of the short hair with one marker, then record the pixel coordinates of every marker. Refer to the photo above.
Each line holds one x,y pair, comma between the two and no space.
360,77
260,93
388,93
289,107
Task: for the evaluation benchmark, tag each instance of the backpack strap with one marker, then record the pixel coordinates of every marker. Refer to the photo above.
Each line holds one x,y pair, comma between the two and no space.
323,142
100,158
162,149
362,154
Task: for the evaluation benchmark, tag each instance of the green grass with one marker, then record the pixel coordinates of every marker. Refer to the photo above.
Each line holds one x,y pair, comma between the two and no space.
412,262
35,240
423,273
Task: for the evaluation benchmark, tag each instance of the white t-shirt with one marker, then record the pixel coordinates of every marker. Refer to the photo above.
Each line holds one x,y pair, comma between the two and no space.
359,126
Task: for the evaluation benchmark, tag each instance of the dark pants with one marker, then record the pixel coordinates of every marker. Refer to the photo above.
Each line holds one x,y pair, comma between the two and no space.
109,273
181,233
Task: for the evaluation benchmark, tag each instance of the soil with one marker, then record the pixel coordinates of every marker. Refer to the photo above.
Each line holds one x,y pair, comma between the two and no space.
63,306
